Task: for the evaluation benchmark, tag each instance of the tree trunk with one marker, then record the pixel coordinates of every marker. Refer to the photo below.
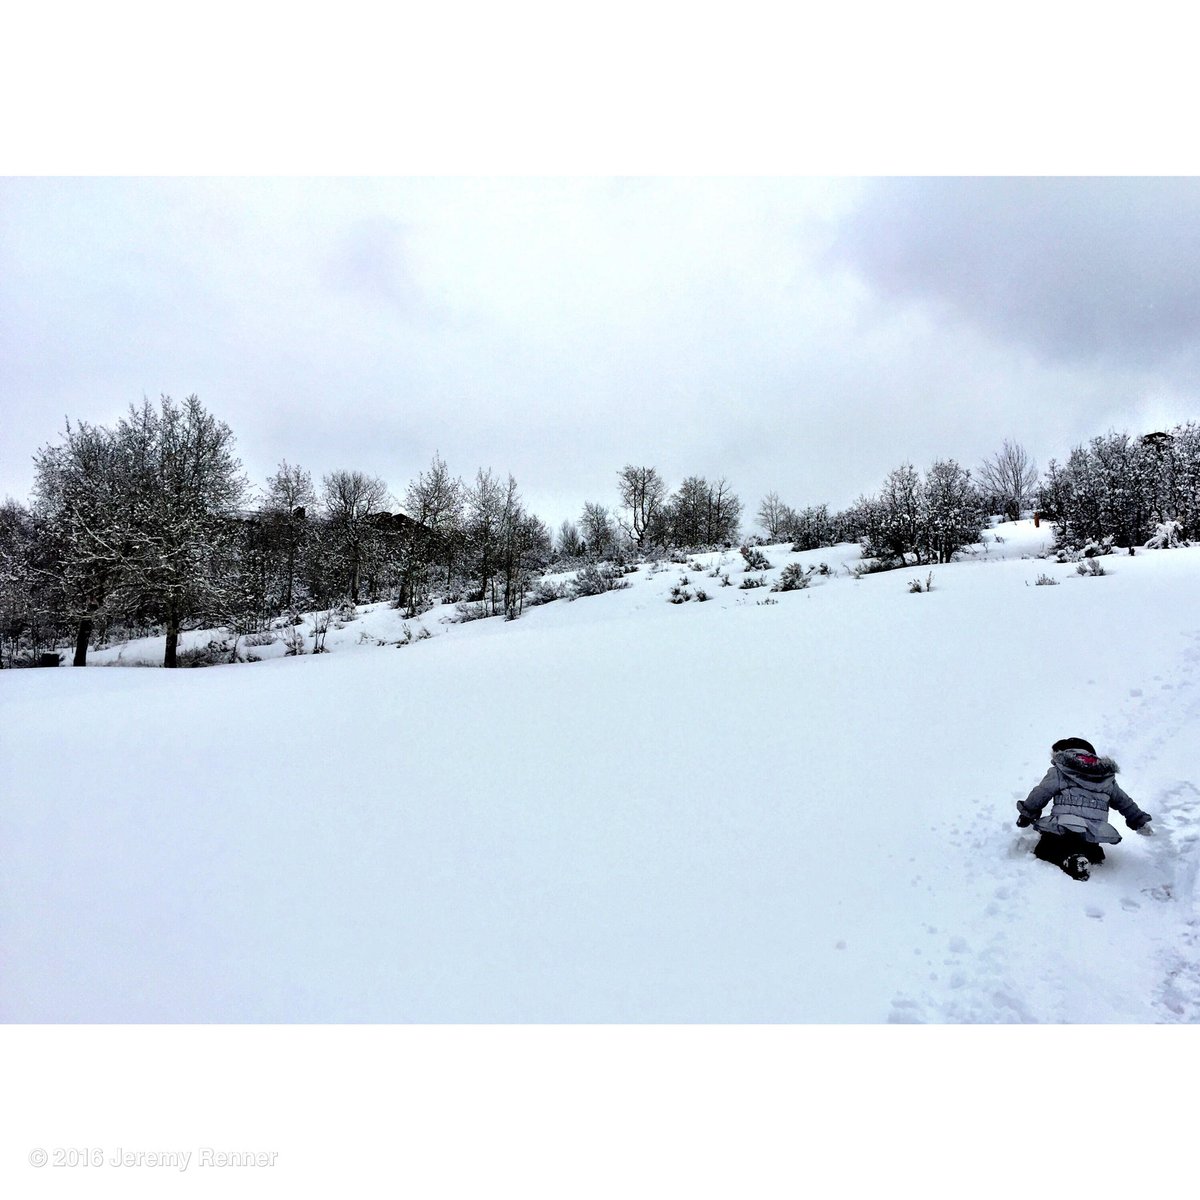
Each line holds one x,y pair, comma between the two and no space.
171,659
81,641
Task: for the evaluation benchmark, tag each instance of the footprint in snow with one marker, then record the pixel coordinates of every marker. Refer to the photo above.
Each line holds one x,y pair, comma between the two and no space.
1095,912
1129,904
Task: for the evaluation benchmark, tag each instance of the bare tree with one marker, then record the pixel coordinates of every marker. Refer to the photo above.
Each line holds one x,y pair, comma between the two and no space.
1010,477
596,529
484,519
724,513
773,515
350,499
434,501
289,496
643,495
569,541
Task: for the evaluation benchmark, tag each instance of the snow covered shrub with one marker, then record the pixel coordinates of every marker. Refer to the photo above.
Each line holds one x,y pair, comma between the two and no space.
756,560
752,581
321,623
293,642
915,585
210,655
546,592
466,610
871,566
679,594
423,635
1044,580
595,579
1168,535
702,595
260,639
1090,567
793,578
726,581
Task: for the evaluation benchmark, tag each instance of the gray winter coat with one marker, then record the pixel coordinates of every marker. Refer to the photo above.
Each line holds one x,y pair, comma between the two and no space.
1082,788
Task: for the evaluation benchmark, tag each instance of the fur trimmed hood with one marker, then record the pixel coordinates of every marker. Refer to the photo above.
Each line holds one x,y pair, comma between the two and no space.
1084,765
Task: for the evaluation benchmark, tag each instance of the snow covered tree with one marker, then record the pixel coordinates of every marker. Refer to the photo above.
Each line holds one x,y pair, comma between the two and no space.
597,531
485,501
1109,489
811,528
186,489
20,580
524,549
289,499
1183,502
569,544
952,511
350,499
85,504
435,503
889,525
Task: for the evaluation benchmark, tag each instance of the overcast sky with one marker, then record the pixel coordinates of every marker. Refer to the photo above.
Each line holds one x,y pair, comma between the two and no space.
797,335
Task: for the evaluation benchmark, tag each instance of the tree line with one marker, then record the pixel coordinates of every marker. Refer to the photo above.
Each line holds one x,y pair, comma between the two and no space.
150,526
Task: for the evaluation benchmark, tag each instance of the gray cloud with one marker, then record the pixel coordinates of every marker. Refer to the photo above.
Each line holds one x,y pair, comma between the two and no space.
1086,271
802,336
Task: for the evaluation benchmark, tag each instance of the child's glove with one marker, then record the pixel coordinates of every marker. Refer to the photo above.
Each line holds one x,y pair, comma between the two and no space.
1023,820
1145,830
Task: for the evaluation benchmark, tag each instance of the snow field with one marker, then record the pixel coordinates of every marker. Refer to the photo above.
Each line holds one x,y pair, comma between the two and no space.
623,810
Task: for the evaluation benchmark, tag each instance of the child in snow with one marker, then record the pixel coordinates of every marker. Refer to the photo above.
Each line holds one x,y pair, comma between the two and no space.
1082,786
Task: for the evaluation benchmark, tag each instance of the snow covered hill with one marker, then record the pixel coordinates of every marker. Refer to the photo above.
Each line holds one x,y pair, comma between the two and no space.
766,807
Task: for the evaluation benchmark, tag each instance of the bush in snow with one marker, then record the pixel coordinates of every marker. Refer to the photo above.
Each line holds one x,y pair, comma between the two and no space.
210,655
793,578
546,592
1168,535
293,642
680,594
1090,567
915,585
871,566
596,579
752,581
1045,580
756,560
